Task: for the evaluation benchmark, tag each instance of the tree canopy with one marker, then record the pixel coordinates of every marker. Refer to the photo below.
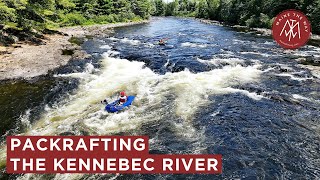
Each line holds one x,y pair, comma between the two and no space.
251,13
41,14
48,14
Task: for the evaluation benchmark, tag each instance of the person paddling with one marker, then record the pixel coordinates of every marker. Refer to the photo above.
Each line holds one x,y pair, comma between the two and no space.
122,98
162,41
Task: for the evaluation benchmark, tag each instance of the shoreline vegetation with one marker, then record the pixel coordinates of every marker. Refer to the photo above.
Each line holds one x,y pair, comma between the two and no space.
25,60
249,13
34,34
31,20
314,39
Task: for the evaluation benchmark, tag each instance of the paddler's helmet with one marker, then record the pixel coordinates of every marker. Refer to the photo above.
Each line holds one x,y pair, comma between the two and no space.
122,94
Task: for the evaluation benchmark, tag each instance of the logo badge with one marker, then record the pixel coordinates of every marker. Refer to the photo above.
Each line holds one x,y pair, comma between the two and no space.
291,29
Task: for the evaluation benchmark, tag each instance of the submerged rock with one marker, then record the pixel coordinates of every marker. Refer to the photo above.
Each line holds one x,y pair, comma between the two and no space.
309,60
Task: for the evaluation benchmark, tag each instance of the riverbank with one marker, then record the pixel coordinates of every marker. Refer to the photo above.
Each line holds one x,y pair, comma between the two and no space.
22,60
258,31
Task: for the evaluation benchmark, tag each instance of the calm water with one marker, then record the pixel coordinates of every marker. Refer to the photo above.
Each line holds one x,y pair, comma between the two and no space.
209,90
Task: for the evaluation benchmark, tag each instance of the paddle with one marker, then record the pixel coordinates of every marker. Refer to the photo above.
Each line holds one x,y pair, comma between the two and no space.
104,102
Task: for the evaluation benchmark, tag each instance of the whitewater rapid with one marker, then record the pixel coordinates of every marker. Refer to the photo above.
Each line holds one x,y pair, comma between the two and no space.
184,92
172,97
210,90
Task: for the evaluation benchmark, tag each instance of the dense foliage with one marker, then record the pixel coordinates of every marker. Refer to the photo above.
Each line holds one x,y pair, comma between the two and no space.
252,13
47,14
42,14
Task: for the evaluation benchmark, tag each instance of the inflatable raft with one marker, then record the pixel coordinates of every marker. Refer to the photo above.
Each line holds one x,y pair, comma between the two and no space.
114,107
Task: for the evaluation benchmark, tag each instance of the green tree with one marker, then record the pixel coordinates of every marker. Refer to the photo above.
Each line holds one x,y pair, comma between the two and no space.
7,14
202,9
159,8
141,8
313,11
213,8
170,9
105,7
34,13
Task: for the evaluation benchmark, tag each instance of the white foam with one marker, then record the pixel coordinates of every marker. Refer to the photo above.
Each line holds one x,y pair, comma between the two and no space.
312,51
251,95
215,113
256,53
298,96
226,52
167,63
89,68
25,119
194,45
269,43
130,41
149,45
238,41
112,53
221,61
113,39
87,74
293,77
105,47
188,91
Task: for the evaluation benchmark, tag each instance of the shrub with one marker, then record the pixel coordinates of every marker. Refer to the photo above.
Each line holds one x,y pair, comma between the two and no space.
259,21
72,19
7,14
103,19
264,21
251,22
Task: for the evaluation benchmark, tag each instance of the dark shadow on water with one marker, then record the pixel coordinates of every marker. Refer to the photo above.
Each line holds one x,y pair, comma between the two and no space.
28,97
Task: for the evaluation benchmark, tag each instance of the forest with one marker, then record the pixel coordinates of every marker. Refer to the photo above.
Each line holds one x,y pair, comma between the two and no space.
41,15
251,13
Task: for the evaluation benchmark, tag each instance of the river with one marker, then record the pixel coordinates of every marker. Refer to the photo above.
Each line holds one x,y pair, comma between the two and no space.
211,90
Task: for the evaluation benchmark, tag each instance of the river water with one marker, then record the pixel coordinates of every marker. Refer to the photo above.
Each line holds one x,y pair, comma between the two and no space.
209,90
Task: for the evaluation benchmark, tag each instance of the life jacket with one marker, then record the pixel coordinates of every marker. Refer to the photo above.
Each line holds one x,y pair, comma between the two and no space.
123,99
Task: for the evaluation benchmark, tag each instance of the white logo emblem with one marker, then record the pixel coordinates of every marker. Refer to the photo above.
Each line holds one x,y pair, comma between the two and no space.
292,25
